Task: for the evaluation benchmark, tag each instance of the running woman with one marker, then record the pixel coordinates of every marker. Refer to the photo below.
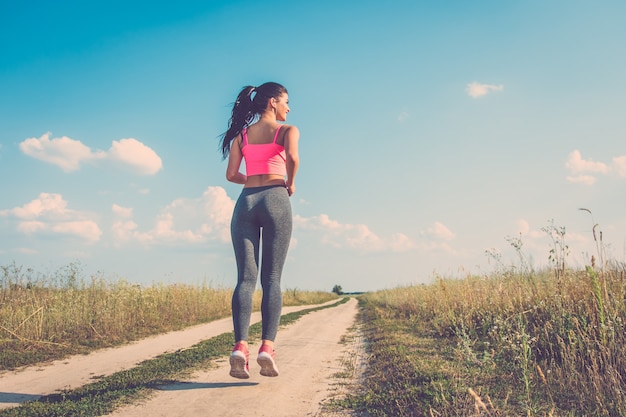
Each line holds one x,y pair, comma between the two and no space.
262,220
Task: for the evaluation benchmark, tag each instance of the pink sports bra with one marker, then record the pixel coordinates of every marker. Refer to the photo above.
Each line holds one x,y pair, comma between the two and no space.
264,158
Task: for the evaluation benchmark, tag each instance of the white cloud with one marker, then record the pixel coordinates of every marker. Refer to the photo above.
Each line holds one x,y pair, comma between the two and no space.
576,164
619,165
69,154
436,240
49,214
354,236
581,169
51,205
165,230
399,242
83,228
134,154
120,211
523,229
438,231
477,90
183,221
126,230
29,227
64,152
218,208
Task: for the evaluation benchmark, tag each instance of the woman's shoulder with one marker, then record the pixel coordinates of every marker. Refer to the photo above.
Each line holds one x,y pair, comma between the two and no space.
288,133
289,129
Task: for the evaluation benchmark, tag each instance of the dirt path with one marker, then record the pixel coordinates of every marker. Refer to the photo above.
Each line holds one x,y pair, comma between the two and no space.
308,354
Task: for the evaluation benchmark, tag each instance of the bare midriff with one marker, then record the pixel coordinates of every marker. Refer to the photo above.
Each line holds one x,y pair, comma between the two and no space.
264,180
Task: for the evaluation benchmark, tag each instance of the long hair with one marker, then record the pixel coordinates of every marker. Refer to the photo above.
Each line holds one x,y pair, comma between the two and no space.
250,103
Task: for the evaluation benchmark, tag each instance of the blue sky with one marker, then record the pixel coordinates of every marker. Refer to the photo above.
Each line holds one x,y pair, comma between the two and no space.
431,133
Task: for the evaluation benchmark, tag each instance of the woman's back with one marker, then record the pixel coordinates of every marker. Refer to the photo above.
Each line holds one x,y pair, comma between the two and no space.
263,157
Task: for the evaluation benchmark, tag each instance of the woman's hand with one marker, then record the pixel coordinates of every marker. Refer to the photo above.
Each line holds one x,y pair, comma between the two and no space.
291,189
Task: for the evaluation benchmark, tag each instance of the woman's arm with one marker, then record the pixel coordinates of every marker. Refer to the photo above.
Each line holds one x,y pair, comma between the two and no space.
234,163
292,135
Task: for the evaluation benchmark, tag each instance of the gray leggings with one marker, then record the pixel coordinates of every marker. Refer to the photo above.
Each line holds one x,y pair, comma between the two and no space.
262,214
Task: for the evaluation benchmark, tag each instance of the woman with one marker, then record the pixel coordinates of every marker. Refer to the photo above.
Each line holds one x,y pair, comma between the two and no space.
262,216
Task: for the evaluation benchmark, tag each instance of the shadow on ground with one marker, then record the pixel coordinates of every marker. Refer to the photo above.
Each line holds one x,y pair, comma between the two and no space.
180,386
16,397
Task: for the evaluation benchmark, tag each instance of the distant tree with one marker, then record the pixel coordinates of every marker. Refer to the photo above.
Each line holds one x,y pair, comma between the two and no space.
338,290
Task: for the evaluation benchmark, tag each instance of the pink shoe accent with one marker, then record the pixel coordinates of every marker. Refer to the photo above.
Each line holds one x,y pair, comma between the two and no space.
239,366
266,361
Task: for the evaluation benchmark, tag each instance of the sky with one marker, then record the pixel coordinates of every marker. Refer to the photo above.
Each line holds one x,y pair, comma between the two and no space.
435,136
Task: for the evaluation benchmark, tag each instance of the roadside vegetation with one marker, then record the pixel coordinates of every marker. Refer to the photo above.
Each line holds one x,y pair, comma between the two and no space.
127,386
517,343
44,317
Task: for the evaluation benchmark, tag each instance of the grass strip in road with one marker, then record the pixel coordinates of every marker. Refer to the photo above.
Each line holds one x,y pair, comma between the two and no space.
121,388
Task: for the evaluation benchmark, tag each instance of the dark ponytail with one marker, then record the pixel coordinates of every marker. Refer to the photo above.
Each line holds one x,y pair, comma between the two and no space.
250,103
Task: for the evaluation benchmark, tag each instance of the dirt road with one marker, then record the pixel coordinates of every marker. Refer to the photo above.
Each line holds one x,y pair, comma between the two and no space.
309,353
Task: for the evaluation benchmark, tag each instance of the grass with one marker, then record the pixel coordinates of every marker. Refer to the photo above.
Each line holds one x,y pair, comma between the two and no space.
44,317
549,343
110,392
519,342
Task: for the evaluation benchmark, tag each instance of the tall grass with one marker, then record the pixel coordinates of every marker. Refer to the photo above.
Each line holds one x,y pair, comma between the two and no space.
564,345
547,343
47,316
